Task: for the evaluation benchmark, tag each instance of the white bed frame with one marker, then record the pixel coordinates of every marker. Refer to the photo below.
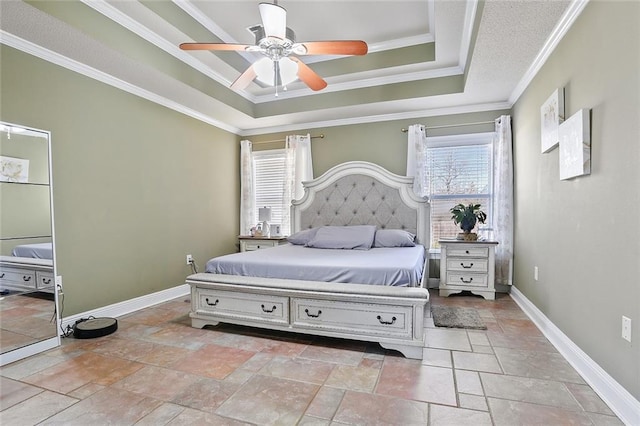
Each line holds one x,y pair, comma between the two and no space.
352,193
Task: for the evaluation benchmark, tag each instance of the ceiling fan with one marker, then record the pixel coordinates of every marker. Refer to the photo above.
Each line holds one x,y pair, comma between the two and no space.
280,64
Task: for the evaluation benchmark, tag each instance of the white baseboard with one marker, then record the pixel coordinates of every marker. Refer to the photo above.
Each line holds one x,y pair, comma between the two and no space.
621,402
128,306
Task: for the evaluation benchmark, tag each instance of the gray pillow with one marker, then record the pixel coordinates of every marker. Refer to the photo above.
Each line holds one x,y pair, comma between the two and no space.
302,237
358,237
394,238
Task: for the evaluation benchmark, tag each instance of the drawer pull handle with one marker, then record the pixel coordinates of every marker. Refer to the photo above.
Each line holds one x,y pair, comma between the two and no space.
267,310
2,276
46,280
393,320
466,281
466,251
26,278
466,267
211,304
306,311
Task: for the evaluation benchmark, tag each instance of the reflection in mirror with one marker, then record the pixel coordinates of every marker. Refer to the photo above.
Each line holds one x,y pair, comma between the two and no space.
28,317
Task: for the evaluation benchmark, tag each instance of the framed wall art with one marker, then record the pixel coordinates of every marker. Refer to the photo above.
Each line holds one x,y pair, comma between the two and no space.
551,115
575,145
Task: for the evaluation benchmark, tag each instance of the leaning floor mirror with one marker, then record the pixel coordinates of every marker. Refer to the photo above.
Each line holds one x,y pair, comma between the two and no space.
28,297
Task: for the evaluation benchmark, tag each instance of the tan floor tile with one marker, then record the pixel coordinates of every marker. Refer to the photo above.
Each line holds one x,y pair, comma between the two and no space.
537,391
190,417
541,365
437,357
353,378
13,392
206,394
335,355
300,369
588,399
451,339
511,413
36,409
162,415
368,409
604,420
469,382
156,382
109,406
213,361
409,379
476,362
473,402
441,415
269,400
325,403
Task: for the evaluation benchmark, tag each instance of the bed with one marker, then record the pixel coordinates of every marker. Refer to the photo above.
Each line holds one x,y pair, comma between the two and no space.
363,299
35,251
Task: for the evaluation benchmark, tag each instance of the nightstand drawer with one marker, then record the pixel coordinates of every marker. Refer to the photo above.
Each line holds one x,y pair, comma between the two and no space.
467,280
24,277
45,280
257,245
467,264
467,251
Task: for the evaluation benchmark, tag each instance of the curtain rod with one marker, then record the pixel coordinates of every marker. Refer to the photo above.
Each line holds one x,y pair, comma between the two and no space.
453,125
321,136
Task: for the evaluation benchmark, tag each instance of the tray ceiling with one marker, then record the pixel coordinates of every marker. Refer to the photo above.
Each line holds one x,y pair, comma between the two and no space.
425,57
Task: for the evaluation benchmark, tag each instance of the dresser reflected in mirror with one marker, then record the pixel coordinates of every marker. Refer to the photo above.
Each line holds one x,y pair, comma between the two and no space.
28,316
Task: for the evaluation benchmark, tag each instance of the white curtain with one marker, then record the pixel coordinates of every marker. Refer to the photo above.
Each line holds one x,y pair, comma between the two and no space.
502,221
298,167
417,159
247,188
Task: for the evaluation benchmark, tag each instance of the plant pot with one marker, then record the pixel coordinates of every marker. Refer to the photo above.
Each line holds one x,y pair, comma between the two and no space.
467,236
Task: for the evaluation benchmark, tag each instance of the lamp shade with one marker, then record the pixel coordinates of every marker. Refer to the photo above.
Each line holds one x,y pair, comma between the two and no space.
264,214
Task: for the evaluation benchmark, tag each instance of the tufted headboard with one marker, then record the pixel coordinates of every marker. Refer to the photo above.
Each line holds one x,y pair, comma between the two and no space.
361,193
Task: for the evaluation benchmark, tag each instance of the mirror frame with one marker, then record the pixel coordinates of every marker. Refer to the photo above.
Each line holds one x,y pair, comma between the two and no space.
52,342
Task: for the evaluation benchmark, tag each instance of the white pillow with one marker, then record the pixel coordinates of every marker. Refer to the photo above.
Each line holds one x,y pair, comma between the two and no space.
358,237
394,238
302,237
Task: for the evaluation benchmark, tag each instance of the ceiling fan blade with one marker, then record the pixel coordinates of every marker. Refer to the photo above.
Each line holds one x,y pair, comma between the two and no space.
338,47
274,20
214,46
244,79
309,76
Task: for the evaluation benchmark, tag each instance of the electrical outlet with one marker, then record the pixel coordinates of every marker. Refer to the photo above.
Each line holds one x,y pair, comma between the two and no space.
626,328
535,273
189,259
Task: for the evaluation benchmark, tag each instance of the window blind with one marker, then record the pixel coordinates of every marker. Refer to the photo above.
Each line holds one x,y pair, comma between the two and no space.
269,182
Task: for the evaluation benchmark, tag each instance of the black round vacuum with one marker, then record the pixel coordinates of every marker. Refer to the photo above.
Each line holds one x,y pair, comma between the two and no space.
88,328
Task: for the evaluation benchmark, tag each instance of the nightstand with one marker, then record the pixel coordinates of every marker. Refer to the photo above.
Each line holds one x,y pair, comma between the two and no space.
248,243
467,265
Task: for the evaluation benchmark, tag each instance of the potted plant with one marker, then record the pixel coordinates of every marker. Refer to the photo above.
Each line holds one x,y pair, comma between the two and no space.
467,217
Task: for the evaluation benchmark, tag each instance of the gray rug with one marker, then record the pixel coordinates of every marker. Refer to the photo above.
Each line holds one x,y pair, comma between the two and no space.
455,317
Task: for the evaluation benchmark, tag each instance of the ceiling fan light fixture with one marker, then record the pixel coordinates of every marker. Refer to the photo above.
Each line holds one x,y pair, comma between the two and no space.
274,19
265,71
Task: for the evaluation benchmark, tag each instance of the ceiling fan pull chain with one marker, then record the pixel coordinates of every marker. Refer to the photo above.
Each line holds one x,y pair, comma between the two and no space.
276,74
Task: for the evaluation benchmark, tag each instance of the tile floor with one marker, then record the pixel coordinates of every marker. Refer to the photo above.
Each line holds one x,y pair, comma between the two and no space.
26,318
157,370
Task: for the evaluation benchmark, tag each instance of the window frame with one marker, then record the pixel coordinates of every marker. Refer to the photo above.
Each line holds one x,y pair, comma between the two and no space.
265,153
463,140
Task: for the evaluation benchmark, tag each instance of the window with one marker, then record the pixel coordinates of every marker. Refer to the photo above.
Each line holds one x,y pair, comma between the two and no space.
460,171
268,169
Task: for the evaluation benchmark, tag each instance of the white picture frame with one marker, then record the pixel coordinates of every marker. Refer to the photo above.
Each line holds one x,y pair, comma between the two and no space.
575,145
551,116
14,169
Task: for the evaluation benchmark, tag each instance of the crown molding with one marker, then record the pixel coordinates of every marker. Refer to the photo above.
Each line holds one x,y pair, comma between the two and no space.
573,11
73,65
433,112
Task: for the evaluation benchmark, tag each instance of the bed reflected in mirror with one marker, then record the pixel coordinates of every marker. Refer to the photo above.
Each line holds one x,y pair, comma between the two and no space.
28,320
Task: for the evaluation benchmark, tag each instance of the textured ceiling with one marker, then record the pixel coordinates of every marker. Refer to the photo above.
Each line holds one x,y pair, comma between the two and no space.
425,58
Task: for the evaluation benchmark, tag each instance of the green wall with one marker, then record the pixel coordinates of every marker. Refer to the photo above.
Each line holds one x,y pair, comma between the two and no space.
382,143
136,186
583,234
